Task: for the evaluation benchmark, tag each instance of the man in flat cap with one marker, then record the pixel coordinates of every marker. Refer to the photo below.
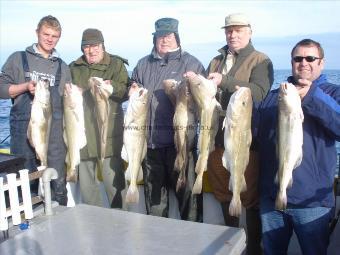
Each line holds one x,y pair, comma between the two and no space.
96,62
166,61
238,64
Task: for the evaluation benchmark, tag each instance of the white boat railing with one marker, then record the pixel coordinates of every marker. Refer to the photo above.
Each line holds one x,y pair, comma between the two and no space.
15,209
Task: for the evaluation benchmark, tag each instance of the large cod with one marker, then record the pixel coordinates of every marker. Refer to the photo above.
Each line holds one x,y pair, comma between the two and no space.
74,128
204,91
184,123
290,139
101,91
38,131
237,140
135,146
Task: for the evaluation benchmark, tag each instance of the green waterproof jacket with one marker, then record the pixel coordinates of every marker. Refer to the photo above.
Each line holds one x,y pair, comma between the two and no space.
110,68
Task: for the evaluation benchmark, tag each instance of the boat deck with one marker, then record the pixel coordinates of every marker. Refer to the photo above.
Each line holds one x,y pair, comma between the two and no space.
86,229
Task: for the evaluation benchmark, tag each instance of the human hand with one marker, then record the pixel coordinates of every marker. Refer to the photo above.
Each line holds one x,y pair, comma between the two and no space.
216,78
189,74
303,87
30,85
134,87
108,82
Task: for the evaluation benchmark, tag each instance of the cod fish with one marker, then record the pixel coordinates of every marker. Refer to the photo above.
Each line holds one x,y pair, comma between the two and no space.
237,140
101,91
38,131
290,140
74,128
204,91
135,132
184,122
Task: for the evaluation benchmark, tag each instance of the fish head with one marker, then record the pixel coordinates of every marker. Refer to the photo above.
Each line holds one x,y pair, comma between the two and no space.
170,88
42,93
100,87
140,96
288,97
240,103
72,95
201,88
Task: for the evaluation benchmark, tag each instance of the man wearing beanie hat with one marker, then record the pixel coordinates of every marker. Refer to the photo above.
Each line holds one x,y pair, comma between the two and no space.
166,61
96,62
238,64
18,79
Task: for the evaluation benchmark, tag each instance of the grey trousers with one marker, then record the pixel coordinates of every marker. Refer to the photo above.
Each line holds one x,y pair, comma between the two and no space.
113,180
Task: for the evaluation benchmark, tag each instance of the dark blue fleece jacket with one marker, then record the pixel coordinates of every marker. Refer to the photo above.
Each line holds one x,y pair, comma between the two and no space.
313,179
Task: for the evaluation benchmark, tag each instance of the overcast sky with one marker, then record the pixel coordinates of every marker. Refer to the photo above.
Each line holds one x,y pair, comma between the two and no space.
127,25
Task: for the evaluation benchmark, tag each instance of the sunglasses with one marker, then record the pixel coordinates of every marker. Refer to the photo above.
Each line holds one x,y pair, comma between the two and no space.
299,59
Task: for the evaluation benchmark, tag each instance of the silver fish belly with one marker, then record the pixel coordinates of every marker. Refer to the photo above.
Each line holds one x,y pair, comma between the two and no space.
39,125
290,139
135,132
237,140
204,91
184,123
74,128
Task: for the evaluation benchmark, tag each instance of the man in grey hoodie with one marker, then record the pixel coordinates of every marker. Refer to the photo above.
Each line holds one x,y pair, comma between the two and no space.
18,78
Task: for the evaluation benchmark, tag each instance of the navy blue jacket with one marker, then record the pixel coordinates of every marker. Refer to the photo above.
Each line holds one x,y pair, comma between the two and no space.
150,73
313,179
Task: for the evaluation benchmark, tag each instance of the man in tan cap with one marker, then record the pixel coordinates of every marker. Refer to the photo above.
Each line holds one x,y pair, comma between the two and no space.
238,64
96,62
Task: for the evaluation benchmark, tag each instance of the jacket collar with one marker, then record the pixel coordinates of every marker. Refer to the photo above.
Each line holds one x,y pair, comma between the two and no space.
105,61
243,52
170,55
33,49
322,79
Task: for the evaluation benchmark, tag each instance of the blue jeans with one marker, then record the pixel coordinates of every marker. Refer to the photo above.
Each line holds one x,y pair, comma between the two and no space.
311,226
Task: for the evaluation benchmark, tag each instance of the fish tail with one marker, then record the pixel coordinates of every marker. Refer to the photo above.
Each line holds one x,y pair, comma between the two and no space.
180,182
235,207
132,195
71,175
197,188
281,201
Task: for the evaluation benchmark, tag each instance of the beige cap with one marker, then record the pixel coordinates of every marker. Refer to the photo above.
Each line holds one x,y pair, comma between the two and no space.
236,19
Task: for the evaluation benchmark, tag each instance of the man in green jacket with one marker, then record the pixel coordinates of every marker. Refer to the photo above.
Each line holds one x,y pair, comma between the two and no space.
96,62
238,64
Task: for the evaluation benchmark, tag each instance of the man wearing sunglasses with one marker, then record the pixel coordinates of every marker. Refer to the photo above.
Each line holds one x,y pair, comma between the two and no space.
310,198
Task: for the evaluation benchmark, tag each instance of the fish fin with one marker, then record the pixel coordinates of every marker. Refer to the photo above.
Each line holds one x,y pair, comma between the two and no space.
99,169
180,181
243,184
72,176
180,161
225,161
140,175
124,154
230,184
197,188
132,195
128,173
290,183
281,201
277,178
235,207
